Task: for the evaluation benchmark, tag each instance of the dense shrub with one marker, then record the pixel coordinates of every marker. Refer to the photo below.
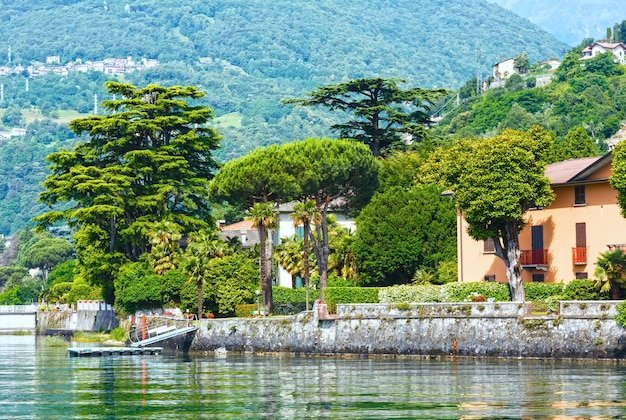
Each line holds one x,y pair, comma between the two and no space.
583,290
541,291
410,293
459,292
335,295
244,310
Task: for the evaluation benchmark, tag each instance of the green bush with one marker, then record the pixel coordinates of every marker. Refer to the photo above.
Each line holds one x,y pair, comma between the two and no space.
410,293
335,295
119,334
541,291
244,310
289,295
583,290
620,317
460,292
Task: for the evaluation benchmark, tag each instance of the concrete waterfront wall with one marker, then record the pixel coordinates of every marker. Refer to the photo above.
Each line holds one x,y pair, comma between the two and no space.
504,329
84,320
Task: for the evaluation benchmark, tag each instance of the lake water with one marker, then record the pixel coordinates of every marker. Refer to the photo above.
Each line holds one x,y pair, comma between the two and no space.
40,381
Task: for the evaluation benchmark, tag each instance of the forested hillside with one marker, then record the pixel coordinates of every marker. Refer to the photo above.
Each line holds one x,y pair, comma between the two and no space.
589,97
247,57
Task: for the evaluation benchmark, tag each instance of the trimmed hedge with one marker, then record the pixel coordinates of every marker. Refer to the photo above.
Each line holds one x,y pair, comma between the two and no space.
542,291
460,292
411,293
335,295
288,295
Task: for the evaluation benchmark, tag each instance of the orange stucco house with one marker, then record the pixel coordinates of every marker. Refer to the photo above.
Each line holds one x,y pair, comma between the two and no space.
560,242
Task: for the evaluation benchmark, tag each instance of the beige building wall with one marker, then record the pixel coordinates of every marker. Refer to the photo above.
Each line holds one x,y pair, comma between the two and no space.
603,227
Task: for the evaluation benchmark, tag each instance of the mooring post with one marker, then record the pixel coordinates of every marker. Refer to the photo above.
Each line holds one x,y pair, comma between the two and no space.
144,328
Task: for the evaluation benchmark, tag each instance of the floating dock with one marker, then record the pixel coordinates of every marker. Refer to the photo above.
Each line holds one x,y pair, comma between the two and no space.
112,351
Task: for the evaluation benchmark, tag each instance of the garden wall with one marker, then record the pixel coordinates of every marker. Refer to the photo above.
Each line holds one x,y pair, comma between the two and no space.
502,329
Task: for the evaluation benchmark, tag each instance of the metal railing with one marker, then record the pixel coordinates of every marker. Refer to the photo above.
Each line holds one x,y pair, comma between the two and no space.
579,255
534,257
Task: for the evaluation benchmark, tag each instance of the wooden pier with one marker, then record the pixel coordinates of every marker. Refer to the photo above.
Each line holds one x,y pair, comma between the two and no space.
112,351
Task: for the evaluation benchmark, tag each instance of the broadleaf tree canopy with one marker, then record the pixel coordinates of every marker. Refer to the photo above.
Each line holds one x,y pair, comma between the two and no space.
494,182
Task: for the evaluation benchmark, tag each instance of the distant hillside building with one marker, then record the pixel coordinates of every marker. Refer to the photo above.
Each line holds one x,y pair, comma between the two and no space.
504,69
618,49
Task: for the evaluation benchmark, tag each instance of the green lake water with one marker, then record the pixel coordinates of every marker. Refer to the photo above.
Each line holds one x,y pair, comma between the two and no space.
42,382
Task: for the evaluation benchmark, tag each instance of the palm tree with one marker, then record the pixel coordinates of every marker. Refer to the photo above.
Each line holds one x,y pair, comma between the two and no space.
342,261
288,254
265,218
304,213
611,272
165,247
203,247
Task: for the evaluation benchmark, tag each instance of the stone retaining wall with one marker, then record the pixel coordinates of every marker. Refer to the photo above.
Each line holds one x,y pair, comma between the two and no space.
76,321
503,329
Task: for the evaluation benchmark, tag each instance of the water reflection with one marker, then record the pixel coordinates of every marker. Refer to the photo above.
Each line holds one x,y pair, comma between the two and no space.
37,381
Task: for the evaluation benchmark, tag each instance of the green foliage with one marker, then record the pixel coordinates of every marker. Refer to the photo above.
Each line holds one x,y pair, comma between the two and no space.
228,281
542,291
335,295
495,181
382,112
288,295
62,272
12,275
412,293
244,310
447,272
402,230
138,287
618,175
610,272
24,292
119,334
620,317
460,292
583,290
147,161
45,253
239,77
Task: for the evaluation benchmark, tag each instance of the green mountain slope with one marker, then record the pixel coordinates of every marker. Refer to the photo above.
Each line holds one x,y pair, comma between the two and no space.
247,56
425,41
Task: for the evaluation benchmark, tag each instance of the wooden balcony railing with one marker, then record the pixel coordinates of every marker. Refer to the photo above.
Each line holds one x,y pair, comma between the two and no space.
579,255
534,257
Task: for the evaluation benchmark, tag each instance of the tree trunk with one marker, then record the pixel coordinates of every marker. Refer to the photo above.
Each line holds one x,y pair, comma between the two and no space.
323,252
305,258
265,267
509,251
614,290
200,303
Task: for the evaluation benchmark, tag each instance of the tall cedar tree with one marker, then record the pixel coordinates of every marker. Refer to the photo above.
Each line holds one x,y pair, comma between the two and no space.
148,160
384,115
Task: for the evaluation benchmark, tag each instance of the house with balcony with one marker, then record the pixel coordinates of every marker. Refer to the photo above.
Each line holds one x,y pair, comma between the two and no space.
561,242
